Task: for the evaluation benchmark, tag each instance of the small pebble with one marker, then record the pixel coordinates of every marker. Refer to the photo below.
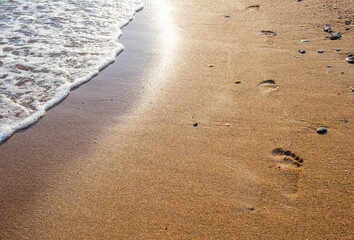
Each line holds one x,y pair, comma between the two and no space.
347,22
195,125
350,54
337,49
353,89
350,59
302,51
320,51
326,29
321,130
238,82
335,36
345,120
304,40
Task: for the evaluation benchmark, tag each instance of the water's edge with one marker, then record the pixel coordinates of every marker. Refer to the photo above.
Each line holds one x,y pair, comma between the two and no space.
64,91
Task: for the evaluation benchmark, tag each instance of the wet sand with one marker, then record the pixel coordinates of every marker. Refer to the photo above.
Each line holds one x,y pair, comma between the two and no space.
184,137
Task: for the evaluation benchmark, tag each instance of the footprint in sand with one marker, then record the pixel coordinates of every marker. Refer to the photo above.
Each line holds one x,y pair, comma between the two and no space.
289,168
270,36
268,85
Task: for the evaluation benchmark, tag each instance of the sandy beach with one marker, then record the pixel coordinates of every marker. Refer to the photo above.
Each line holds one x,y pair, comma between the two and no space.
204,128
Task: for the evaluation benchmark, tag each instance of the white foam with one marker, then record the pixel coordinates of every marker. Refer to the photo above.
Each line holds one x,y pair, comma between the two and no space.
48,47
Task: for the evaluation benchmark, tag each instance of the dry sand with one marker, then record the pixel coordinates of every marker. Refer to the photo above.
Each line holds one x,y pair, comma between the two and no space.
121,159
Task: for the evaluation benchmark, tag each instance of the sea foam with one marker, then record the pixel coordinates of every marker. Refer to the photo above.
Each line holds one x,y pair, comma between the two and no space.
48,47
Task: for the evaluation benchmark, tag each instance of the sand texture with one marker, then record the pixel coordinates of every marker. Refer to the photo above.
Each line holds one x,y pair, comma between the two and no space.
204,128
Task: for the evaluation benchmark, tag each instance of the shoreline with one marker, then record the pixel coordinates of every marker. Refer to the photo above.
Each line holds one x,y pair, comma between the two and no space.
252,167
58,98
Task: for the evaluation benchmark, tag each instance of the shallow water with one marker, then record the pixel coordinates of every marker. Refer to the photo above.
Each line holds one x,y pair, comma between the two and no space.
47,47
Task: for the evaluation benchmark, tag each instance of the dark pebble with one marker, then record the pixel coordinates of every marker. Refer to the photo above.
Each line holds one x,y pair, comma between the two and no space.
319,50
302,51
345,120
326,29
195,125
350,54
321,130
350,60
347,22
335,36
353,89
347,28
238,82
337,49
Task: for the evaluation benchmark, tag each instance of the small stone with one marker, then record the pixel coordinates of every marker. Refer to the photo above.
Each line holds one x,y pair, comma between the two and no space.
195,125
337,49
227,125
350,54
347,22
347,28
211,65
335,36
321,130
340,17
302,51
304,40
345,120
350,60
320,51
238,82
352,89
1,63
326,29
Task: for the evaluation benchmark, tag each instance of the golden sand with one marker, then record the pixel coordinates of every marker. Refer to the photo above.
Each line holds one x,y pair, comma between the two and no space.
212,149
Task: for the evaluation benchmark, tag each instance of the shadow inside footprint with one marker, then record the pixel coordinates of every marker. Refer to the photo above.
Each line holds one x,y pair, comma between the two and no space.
269,85
257,6
268,33
289,157
267,81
